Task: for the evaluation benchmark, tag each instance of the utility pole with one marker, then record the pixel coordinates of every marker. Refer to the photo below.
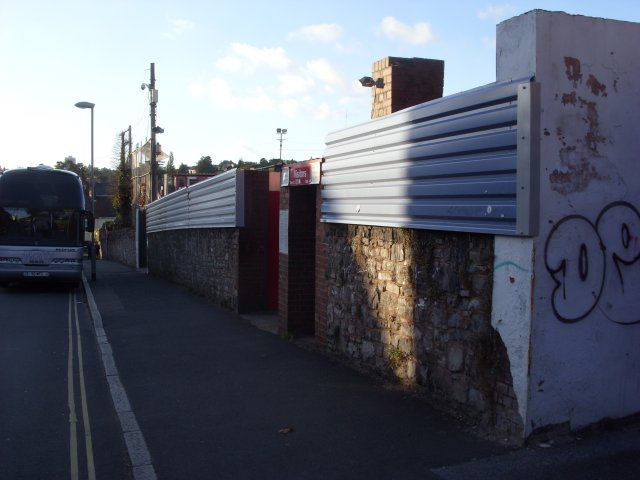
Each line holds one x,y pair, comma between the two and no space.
153,101
123,156
129,156
122,145
124,187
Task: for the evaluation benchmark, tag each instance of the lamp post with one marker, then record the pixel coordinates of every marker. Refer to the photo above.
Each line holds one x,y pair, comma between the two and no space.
92,254
281,131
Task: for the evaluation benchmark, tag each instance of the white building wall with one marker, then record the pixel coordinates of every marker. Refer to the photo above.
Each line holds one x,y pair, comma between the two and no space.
580,300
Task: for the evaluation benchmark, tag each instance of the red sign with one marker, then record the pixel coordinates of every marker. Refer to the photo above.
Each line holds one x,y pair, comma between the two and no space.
300,175
303,173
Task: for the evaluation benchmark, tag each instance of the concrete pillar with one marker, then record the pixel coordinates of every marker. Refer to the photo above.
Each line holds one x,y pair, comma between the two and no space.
566,302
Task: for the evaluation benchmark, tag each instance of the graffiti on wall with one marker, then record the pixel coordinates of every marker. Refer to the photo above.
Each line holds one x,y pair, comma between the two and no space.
595,266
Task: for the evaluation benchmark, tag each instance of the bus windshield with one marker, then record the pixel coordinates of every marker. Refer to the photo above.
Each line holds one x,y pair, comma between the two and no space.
31,226
41,188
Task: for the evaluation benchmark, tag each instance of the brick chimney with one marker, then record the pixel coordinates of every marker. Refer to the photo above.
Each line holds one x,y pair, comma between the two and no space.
405,82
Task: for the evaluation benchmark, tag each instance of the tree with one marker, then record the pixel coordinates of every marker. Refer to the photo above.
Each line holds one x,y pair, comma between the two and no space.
105,175
82,171
205,165
123,197
242,165
183,169
171,168
170,171
226,165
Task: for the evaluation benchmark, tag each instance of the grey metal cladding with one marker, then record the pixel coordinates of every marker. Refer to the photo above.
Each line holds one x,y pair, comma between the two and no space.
209,204
456,163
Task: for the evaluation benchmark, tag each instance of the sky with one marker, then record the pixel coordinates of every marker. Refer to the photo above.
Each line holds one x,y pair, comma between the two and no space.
228,73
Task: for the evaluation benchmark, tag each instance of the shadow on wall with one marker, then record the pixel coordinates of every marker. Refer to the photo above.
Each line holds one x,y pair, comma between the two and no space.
415,306
118,245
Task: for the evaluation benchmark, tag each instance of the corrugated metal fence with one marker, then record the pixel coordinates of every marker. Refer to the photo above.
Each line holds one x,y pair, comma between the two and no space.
461,163
216,202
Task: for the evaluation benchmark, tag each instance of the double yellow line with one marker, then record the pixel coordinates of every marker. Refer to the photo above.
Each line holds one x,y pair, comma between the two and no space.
73,418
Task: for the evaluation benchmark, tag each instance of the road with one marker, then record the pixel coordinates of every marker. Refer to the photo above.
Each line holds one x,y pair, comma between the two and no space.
200,393
56,416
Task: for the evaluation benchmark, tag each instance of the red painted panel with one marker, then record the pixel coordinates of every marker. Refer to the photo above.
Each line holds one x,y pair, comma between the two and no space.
272,250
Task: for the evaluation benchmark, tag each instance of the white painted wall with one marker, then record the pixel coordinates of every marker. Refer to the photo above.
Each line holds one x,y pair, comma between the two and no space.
582,298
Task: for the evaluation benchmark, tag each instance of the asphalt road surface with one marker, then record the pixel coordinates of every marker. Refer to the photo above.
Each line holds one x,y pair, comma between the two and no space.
56,415
141,379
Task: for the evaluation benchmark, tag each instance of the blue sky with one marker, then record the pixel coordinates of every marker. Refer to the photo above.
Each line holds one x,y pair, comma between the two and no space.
227,73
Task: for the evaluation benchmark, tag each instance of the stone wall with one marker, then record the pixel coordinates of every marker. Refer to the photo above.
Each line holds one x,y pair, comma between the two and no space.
119,245
416,306
203,260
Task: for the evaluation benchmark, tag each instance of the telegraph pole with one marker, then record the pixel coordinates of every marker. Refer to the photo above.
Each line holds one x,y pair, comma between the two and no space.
129,156
122,146
153,101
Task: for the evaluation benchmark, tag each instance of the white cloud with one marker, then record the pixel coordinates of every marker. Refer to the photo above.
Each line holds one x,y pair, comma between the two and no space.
394,29
178,26
229,64
285,86
220,93
251,57
322,70
292,84
292,108
196,89
322,112
325,32
307,107
237,150
222,96
496,13
256,101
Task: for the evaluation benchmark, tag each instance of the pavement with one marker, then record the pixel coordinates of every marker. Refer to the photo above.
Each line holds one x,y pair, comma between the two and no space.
203,393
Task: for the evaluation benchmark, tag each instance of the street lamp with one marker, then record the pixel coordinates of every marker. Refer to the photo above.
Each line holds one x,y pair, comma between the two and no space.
93,196
281,131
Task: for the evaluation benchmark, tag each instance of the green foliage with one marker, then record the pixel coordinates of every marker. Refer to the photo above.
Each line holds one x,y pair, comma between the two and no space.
205,165
170,168
242,165
104,175
397,357
123,196
225,165
81,170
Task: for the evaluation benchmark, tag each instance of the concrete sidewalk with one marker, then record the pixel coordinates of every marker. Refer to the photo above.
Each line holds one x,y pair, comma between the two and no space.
211,396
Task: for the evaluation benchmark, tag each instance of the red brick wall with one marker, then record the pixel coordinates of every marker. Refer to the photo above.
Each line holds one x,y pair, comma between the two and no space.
253,246
283,276
321,275
297,268
407,82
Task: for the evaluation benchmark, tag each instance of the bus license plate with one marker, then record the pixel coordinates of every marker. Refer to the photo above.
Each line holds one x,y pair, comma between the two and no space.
36,274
